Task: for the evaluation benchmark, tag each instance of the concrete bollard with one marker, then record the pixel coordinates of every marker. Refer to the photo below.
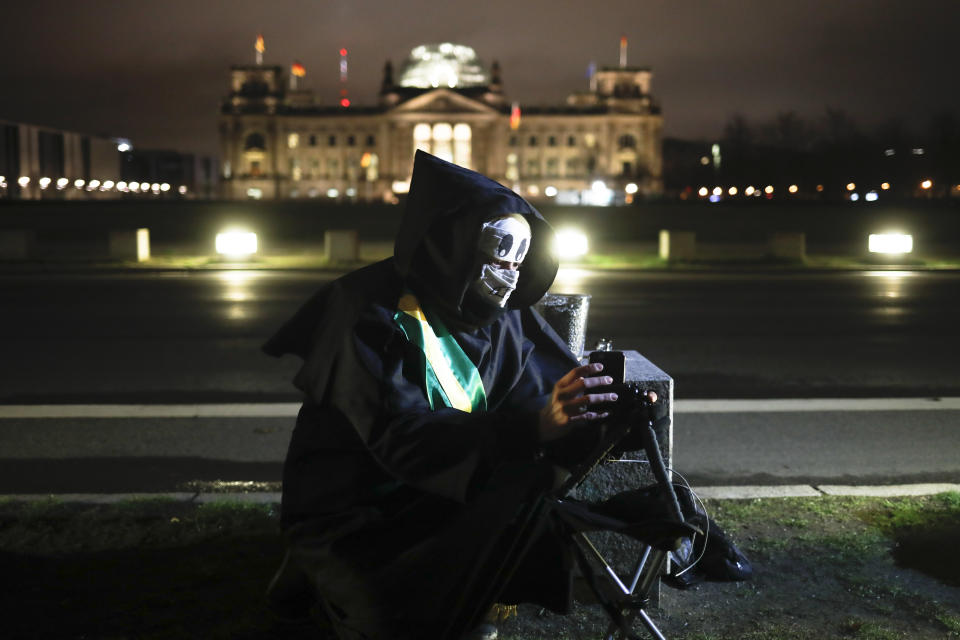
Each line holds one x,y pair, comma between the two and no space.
788,245
130,244
17,244
678,245
341,246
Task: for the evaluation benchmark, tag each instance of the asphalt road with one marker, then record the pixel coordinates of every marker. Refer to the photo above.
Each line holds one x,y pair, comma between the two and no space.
187,337
193,338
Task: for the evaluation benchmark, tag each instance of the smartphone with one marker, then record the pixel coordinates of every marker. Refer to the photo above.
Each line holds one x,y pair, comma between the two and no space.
614,364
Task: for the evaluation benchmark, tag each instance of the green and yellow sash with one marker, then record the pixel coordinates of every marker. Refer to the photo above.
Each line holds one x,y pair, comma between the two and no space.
450,378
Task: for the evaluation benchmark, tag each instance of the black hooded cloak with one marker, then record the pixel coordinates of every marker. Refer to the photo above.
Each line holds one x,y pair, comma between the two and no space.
409,521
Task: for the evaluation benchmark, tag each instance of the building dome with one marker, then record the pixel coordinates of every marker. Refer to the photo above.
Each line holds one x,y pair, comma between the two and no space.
449,65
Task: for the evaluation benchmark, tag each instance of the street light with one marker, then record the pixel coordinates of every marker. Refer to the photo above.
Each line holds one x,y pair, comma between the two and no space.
570,243
890,243
236,243
926,184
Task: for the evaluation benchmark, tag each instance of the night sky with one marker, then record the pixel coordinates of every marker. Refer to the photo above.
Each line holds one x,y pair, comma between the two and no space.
156,71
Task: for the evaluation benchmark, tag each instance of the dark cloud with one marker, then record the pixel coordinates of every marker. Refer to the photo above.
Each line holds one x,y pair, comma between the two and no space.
155,71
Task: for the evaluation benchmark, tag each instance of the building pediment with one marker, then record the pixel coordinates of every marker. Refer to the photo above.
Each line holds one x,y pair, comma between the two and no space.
444,101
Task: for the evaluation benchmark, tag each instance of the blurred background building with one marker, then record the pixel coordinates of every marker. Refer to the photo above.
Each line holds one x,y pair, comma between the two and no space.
43,163
279,141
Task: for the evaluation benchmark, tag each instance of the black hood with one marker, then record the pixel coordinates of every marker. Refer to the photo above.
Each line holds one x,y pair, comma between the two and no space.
436,248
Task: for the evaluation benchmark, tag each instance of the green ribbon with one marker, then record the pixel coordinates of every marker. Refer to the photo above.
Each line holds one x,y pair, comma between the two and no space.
450,377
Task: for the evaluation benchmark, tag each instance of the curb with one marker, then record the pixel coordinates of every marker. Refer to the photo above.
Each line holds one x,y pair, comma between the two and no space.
711,493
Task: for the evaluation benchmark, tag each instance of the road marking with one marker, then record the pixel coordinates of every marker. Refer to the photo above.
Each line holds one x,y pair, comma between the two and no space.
290,409
242,410
799,405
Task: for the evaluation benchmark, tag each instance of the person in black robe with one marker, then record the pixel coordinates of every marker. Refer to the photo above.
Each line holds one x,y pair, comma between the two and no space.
406,517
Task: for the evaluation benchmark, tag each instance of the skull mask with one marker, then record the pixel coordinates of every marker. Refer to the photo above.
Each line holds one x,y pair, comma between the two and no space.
502,241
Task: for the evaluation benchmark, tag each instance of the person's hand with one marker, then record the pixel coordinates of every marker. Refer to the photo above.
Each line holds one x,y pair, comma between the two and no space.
568,405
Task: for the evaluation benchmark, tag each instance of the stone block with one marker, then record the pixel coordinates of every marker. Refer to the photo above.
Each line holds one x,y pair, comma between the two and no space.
130,244
678,245
788,246
17,244
341,245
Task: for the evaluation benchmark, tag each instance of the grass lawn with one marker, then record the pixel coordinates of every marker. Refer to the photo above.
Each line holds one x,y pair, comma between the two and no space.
824,567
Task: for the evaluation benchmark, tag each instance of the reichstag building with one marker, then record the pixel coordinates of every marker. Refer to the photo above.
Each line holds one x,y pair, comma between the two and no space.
602,145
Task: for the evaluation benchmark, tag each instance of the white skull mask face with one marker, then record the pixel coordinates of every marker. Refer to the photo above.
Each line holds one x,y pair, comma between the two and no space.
504,240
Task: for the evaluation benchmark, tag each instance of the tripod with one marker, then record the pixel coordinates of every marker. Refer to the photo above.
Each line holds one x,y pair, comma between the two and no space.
626,599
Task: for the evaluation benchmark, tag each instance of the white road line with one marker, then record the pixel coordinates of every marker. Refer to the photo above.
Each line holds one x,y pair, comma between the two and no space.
243,410
798,405
290,409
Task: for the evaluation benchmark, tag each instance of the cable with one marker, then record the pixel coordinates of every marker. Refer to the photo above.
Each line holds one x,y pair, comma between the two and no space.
686,485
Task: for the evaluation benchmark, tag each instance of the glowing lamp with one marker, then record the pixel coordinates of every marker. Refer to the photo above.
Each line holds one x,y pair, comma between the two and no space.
732,191
236,244
108,185
344,102
551,191
793,188
749,191
926,184
703,192
79,182
93,184
332,193
44,182
768,189
298,70
570,243
164,187
631,188
885,186
23,181
890,243
851,186
144,186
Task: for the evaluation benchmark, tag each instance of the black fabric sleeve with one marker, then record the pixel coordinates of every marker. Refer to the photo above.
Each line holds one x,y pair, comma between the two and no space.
443,451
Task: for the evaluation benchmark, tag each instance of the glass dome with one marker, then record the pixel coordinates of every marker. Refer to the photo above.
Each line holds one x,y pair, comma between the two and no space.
443,65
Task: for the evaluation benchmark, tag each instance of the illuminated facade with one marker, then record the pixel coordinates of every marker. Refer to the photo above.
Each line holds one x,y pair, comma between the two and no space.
45,163
279,142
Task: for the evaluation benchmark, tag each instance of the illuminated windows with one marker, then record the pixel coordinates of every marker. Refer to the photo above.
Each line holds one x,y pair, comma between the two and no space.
462,140
452,143
293,140
513,170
